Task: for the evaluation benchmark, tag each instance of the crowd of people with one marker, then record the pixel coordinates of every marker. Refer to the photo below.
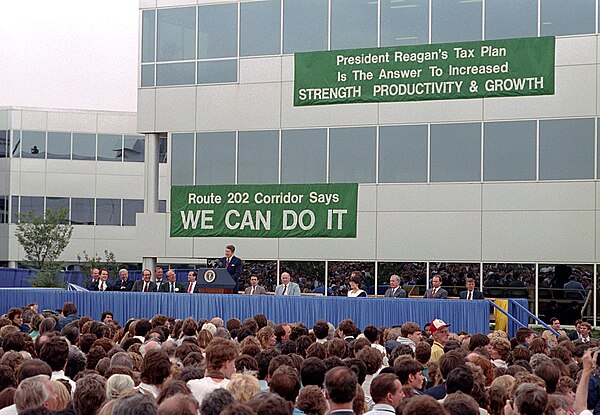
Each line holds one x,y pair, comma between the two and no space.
64,363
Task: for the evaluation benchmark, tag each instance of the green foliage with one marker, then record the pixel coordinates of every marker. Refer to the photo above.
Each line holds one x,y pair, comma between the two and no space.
87,263
48,278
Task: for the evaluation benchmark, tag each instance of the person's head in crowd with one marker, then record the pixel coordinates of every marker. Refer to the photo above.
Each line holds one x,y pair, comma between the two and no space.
102,366
76,362
220,357
233,324
15,315
282,332
566,386
478,340
204,338
312,372
90,394
410,372
460,403
530,399
7,397
142,327
321,330
86,341
302,344
423,352
449,361
135,404
55,352
357,366
34,392
538,358
117,385
106,317
524,335
156,367
266,337
372,358
521,353
550,374
150,345
452,344
317,350
439,331
485,364
359,404
121,359
459,379
387,389
263,359
7,377
371,333
251,325
400,350
47,325
216,401
32,367
337,347
194,359
311,401
498,396
538,345
423,404
179,404
499,348
185,349
346,328
70,332
340,387
558,404
250,346
243,387
270,404
12,359
95,354
69,308
286,383
63,395
412,331
277,361
245,363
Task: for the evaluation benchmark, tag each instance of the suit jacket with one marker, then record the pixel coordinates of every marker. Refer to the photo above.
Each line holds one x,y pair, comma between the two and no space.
157,286
138,286
91,284
179,287
400,293
292,289
94,287
122,286
196,288
437,392
259,290
441,293
477,295
235,269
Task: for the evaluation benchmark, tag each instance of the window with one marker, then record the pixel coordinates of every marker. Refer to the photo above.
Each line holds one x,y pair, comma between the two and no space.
455,152
256,163
59,145
573,17
84,146
175,74
455,20
3,209
215,158
353,24
403,154
54,203
352,155
14,209
34,144
182,160
305,25
162,206
304,156
82,211
260,28
108,212
566,149
310,275
162,149
413,276
147,76
218,31
176,34
130,208
4,144
110,147
338,276
511,18
32,205
404,22
508,280
133,148
217,72
16,141
454,275
148,32
509,150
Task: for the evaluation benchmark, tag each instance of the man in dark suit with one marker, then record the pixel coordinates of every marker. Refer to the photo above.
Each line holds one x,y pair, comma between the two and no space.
172,286
102,283
192,285
233,265
340,388
436,290
144,285
95,274
159,281
471,293
254,288
124,284
395,291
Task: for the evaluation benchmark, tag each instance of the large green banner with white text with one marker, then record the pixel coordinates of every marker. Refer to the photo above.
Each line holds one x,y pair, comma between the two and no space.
265,211
491,68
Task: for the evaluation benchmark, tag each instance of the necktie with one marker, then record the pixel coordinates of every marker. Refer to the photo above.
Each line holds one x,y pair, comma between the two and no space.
284,289
190,288
171,287
252,293
432,293
394,292
145,287
227,264
470,296
103,286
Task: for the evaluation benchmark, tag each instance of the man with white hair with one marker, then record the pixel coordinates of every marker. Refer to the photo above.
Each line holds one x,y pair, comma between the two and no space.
395,291
35,392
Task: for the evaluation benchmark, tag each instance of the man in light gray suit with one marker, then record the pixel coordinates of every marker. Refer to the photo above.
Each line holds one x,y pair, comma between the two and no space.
395,291
436,290
286,287
254,288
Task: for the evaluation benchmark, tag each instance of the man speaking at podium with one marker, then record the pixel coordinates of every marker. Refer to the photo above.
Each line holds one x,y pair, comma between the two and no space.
233,265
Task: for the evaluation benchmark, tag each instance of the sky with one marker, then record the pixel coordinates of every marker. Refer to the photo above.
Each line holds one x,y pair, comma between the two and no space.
72,54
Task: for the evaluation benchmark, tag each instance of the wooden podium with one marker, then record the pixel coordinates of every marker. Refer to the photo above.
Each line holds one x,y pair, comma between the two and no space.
215,281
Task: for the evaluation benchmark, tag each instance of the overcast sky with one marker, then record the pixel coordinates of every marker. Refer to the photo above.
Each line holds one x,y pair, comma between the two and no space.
76,54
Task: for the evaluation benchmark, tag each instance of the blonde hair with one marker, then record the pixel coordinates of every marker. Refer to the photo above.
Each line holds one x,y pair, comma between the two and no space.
117,384
243,386
63,397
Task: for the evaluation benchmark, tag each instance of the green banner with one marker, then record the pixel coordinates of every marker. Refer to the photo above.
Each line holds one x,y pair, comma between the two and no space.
265,211
492,68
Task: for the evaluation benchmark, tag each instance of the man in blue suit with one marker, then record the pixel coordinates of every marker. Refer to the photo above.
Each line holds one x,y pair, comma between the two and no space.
470,293
233,265
287,287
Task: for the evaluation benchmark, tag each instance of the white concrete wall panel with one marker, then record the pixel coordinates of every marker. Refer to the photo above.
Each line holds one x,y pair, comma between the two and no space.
79,122
146,119
117,123
4,120
576,50
257,70
150,235
429,198
459,110
34,120
31,184
78,185
175,109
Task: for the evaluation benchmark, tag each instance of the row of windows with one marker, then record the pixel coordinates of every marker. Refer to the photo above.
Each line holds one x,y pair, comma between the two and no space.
560,149
82,211
205,41
75,146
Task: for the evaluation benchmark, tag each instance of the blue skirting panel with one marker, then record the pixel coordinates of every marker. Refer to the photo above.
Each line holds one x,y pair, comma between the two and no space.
472,316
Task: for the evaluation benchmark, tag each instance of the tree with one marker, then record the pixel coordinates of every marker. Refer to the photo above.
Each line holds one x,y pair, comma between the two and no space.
44,238
87,262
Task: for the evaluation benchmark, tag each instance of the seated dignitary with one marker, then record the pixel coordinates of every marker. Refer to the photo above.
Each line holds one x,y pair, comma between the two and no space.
471,293
144,285
287,287
172,286
355,281
192,285
124,283
395,291
254,288
102,284
158,279
436,290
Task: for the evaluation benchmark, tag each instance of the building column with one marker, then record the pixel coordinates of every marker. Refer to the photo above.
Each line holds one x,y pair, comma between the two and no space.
151,177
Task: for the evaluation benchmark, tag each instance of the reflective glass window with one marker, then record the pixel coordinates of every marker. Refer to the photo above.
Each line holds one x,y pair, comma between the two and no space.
175,74
82,211
147,77
4,143
84,146
176,34
162,206
182,159
403,154
14,208
215,158
148,32
3,209
133,148
509,150
304,156
353,24
404,22
559,17
309,275
162,149
59,145
455,152
455,20
305,25
16,143
352,155
454,275
413,277
218,31
338,276
565,291
567,149
511,18
108,212
32,206
257,159
260,28
130,208
54,203
266,271
510,281
34,144
110,147
215,72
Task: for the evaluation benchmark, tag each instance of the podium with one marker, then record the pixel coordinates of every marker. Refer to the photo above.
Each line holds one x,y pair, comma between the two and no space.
215,281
